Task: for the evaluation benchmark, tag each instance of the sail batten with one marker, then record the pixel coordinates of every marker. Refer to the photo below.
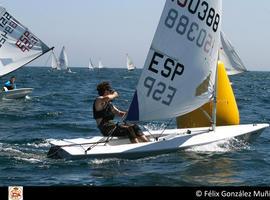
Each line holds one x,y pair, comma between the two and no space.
18,44
180,68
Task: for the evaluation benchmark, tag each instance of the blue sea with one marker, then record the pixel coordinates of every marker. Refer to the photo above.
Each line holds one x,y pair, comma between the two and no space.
60,107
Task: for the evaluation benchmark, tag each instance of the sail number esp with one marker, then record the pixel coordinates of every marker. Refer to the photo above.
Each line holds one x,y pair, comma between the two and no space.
159,90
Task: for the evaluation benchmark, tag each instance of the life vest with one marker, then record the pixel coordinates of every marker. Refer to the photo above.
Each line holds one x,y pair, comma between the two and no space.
106,114
10,86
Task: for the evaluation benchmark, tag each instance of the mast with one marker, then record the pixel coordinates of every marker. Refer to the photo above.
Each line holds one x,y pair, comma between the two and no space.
214,111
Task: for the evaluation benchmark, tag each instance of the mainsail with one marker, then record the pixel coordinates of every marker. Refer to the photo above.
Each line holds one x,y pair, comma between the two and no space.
55,63
130,64
18,45
63,60
229,56
100,65
180,69
91,65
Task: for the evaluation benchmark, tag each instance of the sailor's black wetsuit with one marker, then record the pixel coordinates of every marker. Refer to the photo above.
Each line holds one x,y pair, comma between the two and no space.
109,128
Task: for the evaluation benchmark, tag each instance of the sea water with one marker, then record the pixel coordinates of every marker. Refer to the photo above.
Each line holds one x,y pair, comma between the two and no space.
60,107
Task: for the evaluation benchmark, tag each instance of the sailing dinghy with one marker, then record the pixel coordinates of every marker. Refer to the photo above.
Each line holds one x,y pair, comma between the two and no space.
229,56
91,65
130,64
19,46
100,65
179,76
55,65
63,61
16,93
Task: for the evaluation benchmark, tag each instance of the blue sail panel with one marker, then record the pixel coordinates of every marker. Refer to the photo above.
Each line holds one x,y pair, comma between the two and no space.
133,112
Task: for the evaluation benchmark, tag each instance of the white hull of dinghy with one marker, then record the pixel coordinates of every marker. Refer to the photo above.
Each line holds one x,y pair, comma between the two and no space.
16,93
171,140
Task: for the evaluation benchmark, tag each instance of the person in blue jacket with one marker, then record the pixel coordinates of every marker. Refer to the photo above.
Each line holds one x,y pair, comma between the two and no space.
10,85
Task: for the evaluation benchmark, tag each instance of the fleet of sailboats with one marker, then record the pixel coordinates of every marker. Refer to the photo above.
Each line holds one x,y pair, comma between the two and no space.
62,62
179,76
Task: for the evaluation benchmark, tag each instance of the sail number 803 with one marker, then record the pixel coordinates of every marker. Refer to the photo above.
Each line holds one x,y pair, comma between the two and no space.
159,91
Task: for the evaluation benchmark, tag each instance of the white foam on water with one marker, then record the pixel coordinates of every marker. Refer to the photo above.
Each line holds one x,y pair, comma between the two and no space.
155,127
28,97
31,160
9,150
40,145
102,161
227,145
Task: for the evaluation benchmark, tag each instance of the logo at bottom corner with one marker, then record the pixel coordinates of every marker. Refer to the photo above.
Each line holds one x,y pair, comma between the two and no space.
15,193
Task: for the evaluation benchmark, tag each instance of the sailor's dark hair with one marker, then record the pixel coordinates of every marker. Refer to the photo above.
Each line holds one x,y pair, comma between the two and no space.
102,87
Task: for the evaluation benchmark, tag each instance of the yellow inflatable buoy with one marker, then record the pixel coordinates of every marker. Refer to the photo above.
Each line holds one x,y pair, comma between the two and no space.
227,110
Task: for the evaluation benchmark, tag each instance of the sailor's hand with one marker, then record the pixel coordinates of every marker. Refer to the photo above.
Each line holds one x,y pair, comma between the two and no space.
115,94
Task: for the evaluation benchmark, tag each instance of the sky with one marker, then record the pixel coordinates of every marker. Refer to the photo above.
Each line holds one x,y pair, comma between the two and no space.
108,29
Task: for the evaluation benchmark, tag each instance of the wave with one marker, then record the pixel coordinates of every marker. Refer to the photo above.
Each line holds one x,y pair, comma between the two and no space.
223,146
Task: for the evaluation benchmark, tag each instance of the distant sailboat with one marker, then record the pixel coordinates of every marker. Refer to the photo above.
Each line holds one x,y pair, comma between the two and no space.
91,65
130,64
63,60
100,65
19,46
229,57
55,62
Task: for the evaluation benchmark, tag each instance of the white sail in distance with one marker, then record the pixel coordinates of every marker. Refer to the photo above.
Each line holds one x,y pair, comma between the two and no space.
55,63
100,65
130,64
91,65
229,56
63,60
18,45
180,69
